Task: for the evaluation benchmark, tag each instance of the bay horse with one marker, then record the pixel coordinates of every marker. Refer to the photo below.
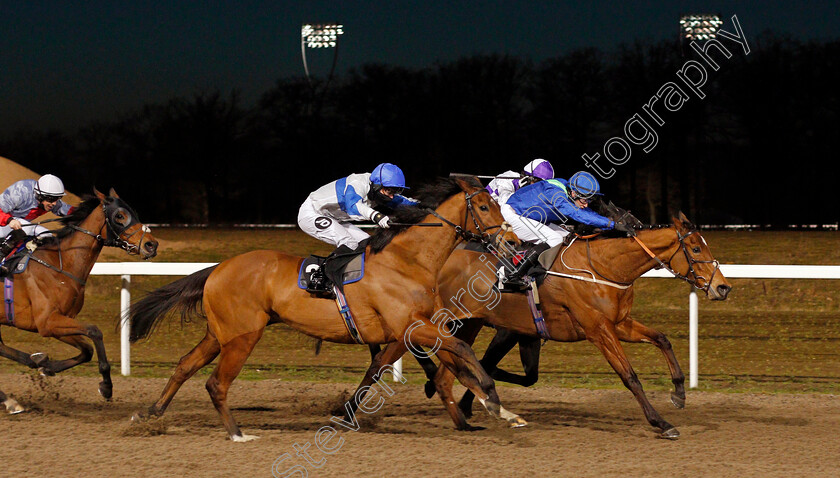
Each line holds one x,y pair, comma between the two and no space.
397,299
51,291
595,306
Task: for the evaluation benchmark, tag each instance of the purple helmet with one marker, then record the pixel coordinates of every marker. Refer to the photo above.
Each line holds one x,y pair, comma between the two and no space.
539,168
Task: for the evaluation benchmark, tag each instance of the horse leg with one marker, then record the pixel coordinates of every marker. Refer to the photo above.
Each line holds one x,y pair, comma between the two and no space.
605,339
12,406
631,331
231,359
388,356
63,327
465,366
501,344
192,362
22,358
443,380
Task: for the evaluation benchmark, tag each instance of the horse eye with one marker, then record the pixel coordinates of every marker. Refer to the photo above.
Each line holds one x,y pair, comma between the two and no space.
484,208
696,250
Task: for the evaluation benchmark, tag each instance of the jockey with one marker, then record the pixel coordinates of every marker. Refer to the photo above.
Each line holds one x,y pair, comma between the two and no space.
328,212
534,212
26,200
507,183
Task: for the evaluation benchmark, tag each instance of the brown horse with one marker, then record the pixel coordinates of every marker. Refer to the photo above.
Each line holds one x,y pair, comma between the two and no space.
397,297
50,292
578,309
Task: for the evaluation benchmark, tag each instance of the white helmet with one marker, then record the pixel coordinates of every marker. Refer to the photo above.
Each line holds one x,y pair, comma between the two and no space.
539,168
49,185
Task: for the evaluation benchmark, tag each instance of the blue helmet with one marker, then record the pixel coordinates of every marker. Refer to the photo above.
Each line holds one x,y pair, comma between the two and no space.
388,175
585,184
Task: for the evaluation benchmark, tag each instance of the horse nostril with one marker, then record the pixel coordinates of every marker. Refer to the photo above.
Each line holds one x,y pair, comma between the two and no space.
723,290
150,246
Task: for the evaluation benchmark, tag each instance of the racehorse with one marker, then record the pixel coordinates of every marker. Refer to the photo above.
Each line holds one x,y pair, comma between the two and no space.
395,301
50,292
593,305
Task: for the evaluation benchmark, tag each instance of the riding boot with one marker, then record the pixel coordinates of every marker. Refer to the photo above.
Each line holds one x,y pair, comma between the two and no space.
319,284
514,279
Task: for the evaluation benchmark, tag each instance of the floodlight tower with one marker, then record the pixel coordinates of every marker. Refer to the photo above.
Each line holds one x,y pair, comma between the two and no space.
698,27
321,36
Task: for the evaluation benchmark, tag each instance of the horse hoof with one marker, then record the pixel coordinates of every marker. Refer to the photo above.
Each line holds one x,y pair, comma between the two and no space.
430,389
517,422
13,407
670,434
678,401
106,390
40,358
243,438
137,418
45,372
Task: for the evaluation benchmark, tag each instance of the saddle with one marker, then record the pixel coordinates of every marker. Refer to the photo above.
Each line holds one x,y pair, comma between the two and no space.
15,261
343,266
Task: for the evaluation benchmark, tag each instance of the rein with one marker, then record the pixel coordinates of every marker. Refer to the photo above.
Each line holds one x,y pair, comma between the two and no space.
462,232
117,241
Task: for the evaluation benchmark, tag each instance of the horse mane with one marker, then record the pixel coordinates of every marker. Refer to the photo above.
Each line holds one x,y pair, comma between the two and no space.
79,214
430,196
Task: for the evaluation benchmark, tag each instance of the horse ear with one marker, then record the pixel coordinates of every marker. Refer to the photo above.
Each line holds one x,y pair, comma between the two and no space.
468,183
681,220
98,194
113,193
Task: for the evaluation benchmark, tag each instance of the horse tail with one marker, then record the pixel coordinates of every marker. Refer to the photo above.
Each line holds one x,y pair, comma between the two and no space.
184,294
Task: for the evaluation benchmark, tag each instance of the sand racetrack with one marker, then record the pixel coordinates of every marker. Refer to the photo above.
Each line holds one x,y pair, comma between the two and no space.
69,430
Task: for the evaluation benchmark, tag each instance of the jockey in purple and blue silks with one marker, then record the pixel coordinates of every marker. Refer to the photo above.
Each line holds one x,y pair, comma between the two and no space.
537,212
507,183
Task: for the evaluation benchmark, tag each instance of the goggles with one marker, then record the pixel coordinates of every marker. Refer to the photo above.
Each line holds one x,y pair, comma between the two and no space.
46,198
392,190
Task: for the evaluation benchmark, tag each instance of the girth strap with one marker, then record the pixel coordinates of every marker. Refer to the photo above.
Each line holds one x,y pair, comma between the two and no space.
344,310
536,310
9,300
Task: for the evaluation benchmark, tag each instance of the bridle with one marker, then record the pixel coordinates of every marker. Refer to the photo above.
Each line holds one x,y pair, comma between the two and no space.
115,235
461,231
115,232
692,277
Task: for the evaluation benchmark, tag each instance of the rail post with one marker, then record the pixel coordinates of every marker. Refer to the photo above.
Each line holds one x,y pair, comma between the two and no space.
125,326
692,337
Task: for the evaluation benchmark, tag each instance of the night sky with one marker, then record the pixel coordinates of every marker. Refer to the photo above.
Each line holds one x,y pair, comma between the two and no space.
67,63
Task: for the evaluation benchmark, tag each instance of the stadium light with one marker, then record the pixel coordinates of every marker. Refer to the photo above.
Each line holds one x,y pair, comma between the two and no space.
319,36
699,27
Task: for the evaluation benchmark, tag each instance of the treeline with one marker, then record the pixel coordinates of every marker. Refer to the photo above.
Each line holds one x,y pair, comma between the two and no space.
757,149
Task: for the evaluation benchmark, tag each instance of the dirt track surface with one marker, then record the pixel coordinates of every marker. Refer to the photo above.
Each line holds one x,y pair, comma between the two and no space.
69,430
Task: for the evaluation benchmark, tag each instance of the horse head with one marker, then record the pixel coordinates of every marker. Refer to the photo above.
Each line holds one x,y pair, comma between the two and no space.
123,229
695,262
483,217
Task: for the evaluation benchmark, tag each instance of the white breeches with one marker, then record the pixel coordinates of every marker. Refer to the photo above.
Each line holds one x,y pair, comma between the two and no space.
328,229
29,228
530,230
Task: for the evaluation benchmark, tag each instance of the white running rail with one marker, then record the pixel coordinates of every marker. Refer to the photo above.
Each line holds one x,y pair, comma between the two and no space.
731,271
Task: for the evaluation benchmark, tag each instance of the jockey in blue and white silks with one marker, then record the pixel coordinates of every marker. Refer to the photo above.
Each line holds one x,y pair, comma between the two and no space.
328,212
534,211
507,183
28,199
